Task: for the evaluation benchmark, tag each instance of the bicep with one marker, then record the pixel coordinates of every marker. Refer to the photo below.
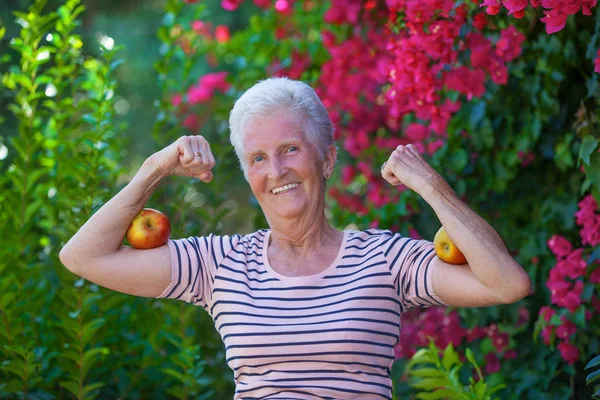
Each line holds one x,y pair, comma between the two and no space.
144,273
457,286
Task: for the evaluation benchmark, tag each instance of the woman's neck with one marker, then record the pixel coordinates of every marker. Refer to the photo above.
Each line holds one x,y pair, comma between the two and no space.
299,239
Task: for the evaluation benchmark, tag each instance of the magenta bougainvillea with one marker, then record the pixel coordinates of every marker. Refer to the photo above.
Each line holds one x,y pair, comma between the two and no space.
567,280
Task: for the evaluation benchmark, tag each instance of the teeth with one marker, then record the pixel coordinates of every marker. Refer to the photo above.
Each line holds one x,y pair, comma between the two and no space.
285,188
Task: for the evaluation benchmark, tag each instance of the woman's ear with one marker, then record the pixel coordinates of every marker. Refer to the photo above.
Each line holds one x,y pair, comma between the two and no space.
330,160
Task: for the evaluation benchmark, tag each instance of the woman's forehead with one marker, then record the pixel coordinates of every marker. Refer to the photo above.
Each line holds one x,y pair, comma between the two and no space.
268,132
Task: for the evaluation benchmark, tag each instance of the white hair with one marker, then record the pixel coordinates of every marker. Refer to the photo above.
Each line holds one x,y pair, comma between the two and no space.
267,97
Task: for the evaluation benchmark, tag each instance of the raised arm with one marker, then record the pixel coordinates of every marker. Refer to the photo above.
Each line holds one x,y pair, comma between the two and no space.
95,252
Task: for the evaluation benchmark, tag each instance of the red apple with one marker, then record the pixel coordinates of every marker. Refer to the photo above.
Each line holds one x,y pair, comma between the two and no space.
149,229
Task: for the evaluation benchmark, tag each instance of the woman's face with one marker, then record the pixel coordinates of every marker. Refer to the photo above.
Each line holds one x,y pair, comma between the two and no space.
277,154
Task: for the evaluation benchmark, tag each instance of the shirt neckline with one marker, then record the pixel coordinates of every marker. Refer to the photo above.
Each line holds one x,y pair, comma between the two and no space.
305,278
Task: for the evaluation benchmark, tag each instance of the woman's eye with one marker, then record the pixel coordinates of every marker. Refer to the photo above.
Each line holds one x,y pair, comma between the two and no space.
292,147
257,158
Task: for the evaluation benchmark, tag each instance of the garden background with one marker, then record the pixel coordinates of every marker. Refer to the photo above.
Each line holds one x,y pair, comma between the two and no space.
502,98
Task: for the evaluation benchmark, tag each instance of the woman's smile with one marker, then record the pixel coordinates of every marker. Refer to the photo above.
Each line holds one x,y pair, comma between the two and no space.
285,189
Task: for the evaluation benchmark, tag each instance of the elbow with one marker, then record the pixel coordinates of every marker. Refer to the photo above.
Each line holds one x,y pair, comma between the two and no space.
66,259
519,289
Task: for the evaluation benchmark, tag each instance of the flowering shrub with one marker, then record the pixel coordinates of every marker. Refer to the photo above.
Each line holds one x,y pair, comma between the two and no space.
573,284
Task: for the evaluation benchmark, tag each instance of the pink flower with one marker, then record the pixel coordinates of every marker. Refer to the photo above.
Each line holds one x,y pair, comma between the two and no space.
492,363
555,20
176,100
572,300
434,146
573,266
590,233
222,34
569,352
466,81
199,94
492,6
343,11
284,6
509,45
515,6
567,328
192,123
547,334
416,132
510,355
348,174
231,5
547,313
560,246
413,233
206,87
480,21
595,276
202,28
215,80
587,209
500,341
523,318
263,3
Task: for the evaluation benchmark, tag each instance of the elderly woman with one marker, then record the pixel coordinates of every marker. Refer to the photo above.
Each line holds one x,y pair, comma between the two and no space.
305,310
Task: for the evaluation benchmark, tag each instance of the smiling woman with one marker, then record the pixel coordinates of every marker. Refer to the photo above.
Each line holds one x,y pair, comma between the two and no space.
305,310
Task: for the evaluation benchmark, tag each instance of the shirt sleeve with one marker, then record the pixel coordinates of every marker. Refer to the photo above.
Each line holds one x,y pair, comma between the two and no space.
194,264
409,261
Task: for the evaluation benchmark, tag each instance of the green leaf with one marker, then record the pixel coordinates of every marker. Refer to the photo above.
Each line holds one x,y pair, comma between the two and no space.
594,376
562,154
593,171
90,357
588,145
71,386
88,388
470,355
438,394
450,357
458,159
178,375
430,383
579,316
427,372
422,356
593,362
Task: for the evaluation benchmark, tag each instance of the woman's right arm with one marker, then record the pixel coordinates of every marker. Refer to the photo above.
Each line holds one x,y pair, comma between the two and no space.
95,252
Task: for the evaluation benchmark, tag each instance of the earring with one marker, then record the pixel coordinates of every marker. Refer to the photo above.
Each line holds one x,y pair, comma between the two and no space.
327,176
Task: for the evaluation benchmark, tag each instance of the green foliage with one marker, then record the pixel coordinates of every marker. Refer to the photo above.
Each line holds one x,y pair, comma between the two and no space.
595,375
438,377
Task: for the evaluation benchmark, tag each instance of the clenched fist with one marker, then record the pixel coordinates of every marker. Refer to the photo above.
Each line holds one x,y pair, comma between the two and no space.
407,166
187,156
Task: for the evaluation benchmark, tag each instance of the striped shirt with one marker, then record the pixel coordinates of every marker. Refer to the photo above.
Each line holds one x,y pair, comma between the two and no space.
325,336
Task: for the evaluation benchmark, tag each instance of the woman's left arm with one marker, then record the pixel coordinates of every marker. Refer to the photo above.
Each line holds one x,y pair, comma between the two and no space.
491,275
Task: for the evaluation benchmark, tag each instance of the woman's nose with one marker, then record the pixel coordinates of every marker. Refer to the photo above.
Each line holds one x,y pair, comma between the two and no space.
276,169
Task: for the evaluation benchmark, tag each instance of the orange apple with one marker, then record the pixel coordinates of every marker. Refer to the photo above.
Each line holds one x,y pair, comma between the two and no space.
149,229
446,250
